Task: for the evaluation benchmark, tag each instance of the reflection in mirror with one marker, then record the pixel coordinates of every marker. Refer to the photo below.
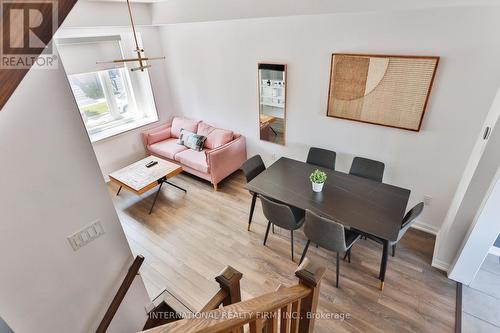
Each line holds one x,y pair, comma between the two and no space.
272,102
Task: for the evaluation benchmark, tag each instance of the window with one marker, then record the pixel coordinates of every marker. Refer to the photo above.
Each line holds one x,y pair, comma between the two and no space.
113,99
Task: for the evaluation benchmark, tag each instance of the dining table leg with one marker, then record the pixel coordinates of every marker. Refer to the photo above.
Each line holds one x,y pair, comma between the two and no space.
252,207
383,264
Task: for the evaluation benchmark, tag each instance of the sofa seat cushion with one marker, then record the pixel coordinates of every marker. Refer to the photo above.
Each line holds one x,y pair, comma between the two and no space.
168,148
194,159
183,123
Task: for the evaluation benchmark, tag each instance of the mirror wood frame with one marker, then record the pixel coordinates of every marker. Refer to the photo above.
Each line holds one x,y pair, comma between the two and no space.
285,78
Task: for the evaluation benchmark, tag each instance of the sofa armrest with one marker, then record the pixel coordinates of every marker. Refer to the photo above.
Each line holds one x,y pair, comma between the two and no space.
153,130
226,159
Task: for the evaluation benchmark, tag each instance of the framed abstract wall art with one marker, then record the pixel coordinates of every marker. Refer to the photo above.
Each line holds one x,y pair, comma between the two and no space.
387,90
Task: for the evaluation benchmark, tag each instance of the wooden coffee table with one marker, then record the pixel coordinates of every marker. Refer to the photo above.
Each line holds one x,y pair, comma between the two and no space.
137,178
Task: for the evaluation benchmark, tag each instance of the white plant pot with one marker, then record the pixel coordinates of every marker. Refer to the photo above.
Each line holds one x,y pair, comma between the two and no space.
317,187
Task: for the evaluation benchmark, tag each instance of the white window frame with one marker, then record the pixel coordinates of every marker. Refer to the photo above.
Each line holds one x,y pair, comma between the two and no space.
115,129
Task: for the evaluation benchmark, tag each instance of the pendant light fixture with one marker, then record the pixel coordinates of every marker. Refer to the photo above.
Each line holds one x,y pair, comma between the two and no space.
140,57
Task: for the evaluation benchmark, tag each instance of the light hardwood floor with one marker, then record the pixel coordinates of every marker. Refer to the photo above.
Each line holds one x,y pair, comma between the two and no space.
190,238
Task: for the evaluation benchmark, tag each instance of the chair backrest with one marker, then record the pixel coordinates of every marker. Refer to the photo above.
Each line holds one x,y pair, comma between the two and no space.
321,157
253,167
410,218
366,168
326,233
280,214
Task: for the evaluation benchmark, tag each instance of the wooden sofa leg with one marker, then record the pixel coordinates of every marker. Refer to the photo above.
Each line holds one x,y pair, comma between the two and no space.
215,187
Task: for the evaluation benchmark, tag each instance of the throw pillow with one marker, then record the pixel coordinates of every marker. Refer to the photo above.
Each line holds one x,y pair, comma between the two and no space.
191,140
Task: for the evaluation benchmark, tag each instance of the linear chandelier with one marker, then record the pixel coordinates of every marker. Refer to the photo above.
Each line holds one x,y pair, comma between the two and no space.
140,58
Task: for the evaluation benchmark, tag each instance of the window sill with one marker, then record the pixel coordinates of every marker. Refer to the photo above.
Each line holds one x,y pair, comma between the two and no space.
119,130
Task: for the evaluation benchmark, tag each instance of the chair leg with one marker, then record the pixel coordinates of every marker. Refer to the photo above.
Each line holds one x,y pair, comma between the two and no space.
273,228
348,255
267,232
304,252
291,242
338,268
394,250
252,207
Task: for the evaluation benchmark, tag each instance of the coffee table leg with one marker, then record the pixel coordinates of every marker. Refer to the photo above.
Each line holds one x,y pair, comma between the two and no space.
180,188
156,197
383,264
119,190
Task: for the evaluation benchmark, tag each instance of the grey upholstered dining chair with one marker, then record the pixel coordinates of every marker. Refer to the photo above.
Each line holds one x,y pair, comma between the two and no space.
321,157
252,168
366,168
284,216
329,235
408,220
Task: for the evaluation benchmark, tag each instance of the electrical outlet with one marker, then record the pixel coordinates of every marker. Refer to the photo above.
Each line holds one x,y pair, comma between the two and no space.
427,200
86,235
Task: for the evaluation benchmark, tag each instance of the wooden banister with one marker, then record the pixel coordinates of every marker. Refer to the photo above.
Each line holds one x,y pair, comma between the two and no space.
220,320
287,309
120,294
215,301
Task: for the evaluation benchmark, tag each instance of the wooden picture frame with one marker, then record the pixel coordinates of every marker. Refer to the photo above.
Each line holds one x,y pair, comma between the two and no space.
386,90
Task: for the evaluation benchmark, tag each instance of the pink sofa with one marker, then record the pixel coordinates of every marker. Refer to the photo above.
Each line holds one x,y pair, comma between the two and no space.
223,153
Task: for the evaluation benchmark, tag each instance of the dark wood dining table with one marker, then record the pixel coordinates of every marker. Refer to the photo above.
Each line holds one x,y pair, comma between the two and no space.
368,206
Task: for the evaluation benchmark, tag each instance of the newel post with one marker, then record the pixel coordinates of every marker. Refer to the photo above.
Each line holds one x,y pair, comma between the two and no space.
310,276
229,281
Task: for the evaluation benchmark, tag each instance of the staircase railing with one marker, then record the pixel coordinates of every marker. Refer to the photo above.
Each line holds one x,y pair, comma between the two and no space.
289,309
120,294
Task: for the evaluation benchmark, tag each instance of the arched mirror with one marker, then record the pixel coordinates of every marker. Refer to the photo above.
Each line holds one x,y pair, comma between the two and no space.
272,102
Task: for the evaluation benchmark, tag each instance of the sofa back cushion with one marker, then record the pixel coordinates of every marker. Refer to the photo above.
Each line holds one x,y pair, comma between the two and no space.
183,123
216,137
204,129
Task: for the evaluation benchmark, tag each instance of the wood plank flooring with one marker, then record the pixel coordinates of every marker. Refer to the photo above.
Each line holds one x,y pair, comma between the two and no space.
189,238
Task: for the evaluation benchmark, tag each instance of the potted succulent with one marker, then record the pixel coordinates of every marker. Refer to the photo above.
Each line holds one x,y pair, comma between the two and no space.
317,178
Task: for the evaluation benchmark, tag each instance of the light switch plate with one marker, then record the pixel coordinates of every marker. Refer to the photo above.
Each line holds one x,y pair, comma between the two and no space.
86,235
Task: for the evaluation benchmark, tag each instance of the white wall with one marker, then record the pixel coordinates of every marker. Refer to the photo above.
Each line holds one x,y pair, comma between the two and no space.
51,188
120,150
111,14
179,11
212,71
475,225
457,221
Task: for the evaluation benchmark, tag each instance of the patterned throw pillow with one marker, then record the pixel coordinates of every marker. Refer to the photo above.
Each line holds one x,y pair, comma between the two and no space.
191,140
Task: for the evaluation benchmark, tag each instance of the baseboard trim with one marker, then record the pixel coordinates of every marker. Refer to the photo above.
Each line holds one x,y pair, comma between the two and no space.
444,266
430,229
